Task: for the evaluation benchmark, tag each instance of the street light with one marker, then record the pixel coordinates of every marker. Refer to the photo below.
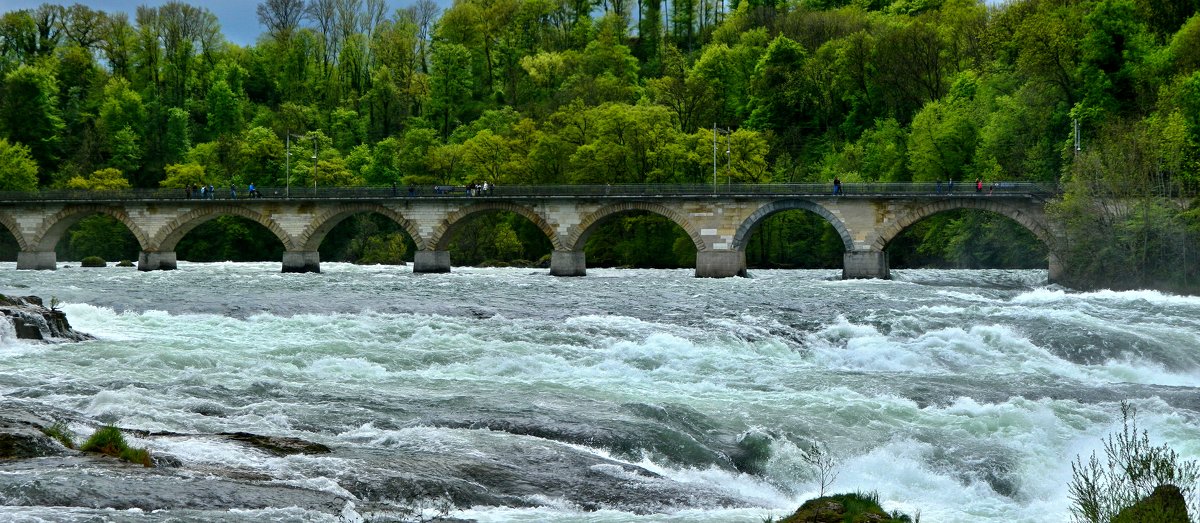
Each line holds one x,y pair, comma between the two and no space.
288,162
726,133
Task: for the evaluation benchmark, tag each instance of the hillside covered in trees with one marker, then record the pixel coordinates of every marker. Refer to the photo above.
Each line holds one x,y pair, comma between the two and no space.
583,91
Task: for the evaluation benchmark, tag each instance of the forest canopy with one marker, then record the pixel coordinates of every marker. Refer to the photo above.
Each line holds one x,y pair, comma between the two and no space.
608,91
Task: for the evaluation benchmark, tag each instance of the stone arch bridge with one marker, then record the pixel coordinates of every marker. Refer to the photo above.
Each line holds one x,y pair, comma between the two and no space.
719,220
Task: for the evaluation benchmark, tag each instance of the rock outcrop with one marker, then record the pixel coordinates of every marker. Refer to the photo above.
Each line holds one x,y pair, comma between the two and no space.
1165,505
844,508
31,320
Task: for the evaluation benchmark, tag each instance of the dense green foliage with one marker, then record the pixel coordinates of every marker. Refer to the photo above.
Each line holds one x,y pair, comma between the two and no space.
527,91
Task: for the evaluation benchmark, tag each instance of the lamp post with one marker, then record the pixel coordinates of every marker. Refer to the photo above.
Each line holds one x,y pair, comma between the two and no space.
724,132
288,162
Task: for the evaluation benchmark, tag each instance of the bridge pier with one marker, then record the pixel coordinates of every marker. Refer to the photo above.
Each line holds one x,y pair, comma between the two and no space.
156,261
1056,272
720,264
865,264
568,263
37,260
431,261
301,261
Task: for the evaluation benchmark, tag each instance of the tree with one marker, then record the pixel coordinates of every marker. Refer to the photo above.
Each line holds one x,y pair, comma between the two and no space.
450,84
29,114
782,99
261,158
18,170
182,175
687,94
280,17
224,110
944,136
108,179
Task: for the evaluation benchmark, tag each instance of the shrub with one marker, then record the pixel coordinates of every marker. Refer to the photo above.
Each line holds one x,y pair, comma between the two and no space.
124,263
60,432
1132,470
109,440
93,261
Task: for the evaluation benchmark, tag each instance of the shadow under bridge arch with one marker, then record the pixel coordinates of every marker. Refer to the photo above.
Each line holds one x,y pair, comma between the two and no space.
812,238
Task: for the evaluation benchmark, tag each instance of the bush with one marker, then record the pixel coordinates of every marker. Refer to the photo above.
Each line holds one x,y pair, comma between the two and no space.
124,263
109,440
1132,471
93,261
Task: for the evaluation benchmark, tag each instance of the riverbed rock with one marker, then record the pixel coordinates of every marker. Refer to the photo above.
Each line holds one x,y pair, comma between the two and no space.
1165,505
31,320
21,435
278,445
843,508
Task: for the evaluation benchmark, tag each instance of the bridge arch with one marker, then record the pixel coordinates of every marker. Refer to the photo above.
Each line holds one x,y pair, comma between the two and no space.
440,239
1035,226
326,220
13,228
578,238
174,231
748,225
55,225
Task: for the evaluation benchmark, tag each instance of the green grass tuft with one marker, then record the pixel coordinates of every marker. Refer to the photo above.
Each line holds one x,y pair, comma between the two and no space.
60,432
109,440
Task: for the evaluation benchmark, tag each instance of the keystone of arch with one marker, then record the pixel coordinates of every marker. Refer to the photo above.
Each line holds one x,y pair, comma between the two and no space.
169,236
579,235
743,233
440,239
54,226
326,220
1034,226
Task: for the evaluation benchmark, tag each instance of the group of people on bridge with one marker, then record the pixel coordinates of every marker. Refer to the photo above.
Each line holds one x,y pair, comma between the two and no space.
208,192
202,192
471,189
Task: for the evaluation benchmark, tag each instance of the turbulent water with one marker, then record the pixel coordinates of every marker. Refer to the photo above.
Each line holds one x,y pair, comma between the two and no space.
625,395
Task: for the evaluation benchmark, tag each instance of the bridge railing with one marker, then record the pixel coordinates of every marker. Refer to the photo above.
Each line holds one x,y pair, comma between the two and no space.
580,191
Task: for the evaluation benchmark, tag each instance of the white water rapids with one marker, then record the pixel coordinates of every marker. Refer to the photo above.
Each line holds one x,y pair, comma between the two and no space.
622,396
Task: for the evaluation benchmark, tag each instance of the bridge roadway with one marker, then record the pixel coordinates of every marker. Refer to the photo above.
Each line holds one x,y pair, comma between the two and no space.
719,220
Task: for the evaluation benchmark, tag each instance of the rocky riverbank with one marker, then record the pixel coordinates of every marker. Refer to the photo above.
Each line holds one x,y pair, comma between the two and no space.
32,320
37,470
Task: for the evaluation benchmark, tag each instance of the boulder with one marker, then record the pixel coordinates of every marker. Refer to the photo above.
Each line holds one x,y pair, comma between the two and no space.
21,435
1164,505
843,508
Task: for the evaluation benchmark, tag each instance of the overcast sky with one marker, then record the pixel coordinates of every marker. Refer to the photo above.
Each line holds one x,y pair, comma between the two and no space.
239,23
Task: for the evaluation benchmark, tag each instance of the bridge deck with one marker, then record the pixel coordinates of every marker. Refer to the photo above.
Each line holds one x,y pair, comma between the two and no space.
682,191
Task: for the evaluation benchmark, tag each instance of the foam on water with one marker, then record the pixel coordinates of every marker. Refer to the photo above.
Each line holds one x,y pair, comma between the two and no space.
917,385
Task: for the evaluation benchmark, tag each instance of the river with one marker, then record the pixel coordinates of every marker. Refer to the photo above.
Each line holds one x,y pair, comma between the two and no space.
622,396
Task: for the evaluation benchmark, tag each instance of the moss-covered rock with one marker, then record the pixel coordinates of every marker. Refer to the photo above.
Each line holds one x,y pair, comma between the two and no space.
844,508
1164,505
93,261
125,263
